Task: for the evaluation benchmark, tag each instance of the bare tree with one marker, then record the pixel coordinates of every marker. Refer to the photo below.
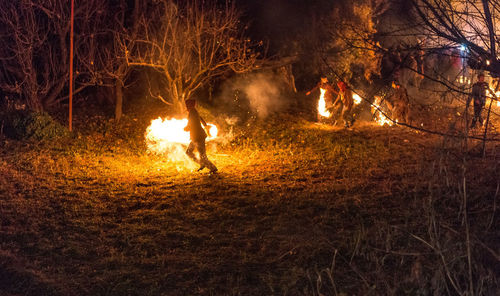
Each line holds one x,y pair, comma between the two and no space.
109,65
469,23
190,43
34,52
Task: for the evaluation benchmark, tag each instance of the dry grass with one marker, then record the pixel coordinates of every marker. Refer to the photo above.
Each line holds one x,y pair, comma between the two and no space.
298,208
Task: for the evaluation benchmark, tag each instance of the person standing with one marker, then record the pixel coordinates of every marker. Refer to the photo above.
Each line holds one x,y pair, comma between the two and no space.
329,91
478,95
197,135
345,96
399,103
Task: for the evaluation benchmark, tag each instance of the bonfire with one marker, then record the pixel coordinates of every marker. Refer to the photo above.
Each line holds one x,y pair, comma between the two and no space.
167,136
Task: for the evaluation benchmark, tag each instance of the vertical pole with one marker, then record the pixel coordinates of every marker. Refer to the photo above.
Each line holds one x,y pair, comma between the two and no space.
71,67
488,118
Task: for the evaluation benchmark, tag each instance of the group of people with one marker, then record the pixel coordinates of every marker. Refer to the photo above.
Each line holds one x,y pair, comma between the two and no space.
397,102
343,102
340,100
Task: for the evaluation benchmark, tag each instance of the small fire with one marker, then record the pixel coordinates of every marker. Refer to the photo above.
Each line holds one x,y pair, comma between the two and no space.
464,80
168,136
322,104
357,99
380,118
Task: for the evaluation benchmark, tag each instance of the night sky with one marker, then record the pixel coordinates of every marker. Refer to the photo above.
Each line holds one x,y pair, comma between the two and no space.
277,22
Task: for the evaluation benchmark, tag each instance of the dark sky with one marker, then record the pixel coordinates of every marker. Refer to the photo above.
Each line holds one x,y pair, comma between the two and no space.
279,21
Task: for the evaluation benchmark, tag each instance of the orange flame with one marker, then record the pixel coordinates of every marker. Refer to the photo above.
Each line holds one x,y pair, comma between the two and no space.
322,104
380,118
357,99
167,136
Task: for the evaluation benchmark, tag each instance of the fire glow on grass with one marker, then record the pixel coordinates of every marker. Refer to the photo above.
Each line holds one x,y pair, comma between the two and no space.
167,136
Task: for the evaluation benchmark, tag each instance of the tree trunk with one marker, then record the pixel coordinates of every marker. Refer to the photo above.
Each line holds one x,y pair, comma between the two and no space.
118,99
180,107
33,103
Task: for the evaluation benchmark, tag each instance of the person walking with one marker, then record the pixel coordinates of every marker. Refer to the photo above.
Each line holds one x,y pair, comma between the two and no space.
478,95
197,135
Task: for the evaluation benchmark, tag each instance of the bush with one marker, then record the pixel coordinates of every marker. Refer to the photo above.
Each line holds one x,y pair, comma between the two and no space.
32,126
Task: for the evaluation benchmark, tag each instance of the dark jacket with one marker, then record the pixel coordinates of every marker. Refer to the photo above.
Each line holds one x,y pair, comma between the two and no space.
196,131
478,93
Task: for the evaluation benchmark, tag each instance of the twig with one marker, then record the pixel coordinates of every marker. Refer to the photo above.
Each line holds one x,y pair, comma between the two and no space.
494,205
467,226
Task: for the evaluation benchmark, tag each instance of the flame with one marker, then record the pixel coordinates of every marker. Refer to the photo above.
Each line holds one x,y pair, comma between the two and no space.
322,104
464,80
380,118
167,136
357,99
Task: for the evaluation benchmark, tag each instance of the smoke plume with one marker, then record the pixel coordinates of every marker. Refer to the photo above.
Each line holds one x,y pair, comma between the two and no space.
261,93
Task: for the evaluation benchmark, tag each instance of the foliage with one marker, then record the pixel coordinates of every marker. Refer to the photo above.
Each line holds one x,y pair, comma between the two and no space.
351,48
34,126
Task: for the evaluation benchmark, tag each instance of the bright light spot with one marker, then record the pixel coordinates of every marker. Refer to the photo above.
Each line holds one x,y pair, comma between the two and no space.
322,104
168,131
463,80
167,136
380,118
463,47
357,99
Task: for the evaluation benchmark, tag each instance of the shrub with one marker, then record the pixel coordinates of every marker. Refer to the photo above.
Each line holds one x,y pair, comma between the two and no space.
33,126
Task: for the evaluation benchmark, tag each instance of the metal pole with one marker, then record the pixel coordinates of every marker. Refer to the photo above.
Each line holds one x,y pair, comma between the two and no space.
71,67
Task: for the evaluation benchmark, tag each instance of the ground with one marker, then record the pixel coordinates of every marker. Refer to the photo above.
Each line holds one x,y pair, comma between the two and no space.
298,208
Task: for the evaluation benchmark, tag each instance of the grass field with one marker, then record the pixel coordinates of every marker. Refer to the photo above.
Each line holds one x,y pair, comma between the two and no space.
298,208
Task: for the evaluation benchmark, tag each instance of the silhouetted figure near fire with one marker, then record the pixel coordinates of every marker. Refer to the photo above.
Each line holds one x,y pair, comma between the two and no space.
345,97
399,103
478,94
198,136
329,91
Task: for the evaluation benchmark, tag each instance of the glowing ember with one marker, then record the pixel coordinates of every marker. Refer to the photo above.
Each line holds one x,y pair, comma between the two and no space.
322,104
168,136
357,99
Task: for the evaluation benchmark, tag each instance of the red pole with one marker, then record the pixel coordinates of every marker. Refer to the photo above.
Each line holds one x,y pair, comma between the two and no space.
71,67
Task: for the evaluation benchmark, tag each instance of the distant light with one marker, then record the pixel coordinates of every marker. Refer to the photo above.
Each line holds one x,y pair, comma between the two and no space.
463,47
488,62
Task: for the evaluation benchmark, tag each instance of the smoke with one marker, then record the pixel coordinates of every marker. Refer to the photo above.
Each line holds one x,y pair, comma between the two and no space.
260,93
263,95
